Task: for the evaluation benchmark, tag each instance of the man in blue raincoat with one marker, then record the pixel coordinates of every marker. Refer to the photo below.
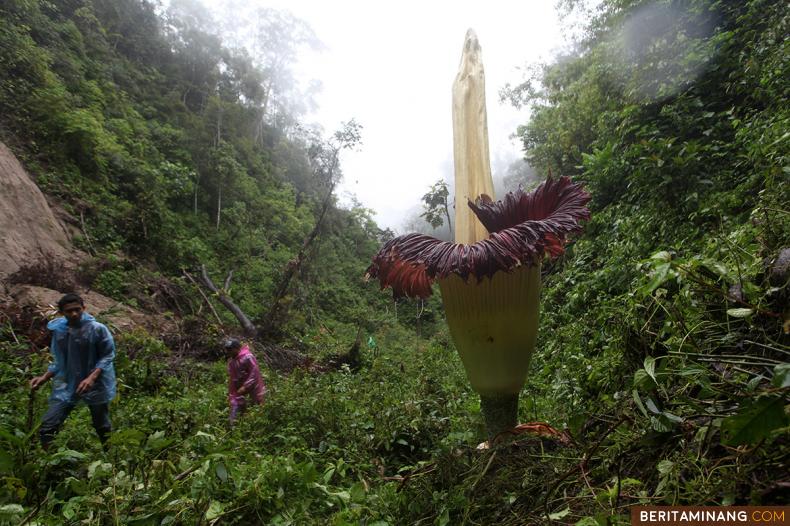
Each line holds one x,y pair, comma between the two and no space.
83,351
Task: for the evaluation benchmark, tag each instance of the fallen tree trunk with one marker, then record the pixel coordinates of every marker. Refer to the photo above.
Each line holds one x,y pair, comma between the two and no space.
324,159
277,358
222,296
277,311
281,359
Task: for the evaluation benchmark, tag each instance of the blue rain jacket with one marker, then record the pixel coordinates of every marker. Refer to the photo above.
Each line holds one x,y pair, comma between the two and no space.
76,351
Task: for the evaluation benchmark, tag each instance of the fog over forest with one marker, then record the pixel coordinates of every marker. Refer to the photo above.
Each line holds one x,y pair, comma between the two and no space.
391,69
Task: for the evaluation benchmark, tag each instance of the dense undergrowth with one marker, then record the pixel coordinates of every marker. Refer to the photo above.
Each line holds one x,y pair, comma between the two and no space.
663,346
324,449
395,442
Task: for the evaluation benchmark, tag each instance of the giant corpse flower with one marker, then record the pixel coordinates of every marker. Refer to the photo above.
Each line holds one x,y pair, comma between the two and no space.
490,276
491,288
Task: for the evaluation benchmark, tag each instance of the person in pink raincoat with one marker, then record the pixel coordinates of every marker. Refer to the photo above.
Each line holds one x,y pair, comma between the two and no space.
245,384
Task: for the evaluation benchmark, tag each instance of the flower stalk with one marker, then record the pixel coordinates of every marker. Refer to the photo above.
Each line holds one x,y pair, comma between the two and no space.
500,414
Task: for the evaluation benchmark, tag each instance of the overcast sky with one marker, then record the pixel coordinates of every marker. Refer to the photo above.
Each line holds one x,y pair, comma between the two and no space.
390,66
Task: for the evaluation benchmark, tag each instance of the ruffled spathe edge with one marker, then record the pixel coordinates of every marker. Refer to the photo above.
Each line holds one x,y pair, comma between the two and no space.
523,228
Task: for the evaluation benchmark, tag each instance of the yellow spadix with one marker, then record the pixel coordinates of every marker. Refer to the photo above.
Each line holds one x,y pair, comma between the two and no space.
470,141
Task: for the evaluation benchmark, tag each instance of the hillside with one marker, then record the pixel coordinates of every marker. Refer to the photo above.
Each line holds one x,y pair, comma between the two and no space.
30,229
144,149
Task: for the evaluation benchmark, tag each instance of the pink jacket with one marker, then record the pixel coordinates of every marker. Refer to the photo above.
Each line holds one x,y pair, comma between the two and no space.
244,371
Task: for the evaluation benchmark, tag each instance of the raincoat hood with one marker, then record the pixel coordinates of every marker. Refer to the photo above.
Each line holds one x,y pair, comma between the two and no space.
61,324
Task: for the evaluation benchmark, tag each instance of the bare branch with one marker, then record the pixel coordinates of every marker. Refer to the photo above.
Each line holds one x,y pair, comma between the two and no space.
200,290
249,327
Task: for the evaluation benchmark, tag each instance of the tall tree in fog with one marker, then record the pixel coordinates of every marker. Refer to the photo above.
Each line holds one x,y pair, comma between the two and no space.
436,207
199,49
273,40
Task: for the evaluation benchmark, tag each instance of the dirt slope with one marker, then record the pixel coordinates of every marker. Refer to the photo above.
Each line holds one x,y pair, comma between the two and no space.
29,230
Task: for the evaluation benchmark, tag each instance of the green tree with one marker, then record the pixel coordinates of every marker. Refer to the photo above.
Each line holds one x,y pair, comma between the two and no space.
436,207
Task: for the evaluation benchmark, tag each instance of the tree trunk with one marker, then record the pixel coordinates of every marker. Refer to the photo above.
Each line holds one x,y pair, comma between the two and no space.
197,185
447,214
277,358
262,121
219,204
217,141
275,314
249,328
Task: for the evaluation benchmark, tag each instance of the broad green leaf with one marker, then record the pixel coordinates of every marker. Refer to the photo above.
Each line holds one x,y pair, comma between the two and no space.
660,275
559,514
221,471
67,455
665,422
642,379
638,401
665,466
127,437
77,486
692,370
11,511
660,425
650,367
754,421
739,313
68,511
717,267
92,468
357,492
651,405
782,375
99,468
343,495
630,483
668,421
754,383
672,417
214,510
158,441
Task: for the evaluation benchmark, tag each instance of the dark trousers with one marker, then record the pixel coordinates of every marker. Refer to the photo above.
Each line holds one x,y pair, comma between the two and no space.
58,411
